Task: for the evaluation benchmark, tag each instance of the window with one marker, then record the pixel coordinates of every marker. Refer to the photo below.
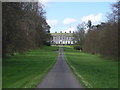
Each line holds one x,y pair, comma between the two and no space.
67,38
59,37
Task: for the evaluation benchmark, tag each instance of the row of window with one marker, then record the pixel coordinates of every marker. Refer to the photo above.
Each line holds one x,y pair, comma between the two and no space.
68,38
62,42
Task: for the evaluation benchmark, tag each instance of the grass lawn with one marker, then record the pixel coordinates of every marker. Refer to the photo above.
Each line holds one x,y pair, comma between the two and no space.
91,70
26,71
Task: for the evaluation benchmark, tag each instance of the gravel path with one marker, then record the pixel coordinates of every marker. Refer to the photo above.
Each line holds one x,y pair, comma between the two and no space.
60,75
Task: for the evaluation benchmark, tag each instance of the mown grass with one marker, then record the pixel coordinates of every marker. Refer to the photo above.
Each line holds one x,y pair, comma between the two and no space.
26,71
91,70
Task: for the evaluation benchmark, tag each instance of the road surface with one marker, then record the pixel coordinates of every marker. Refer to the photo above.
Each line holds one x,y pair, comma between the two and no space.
60,75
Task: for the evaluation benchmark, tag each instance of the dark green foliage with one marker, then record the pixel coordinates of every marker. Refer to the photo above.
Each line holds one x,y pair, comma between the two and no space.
77,47
89,23
47,43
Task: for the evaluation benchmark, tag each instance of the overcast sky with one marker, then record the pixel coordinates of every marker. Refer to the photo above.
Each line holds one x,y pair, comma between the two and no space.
65,16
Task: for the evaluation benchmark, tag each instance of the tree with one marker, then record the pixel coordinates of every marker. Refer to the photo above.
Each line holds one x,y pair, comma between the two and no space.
24,27
79,35
89,24
103,38
115,15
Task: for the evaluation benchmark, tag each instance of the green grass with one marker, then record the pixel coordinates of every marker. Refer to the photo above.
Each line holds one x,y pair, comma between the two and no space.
26,71
91,70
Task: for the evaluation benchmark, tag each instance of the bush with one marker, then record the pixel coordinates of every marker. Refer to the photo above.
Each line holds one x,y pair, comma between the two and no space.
76,47
47,43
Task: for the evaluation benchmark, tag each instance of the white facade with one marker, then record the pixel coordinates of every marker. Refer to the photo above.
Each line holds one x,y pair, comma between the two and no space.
62,38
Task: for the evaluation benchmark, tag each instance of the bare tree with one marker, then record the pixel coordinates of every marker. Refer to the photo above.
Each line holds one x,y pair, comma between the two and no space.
79,35
24,27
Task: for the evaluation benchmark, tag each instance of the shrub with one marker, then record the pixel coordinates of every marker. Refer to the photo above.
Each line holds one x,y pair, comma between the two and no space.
77,47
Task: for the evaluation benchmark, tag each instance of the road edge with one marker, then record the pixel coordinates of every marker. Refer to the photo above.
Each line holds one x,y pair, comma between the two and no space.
81,80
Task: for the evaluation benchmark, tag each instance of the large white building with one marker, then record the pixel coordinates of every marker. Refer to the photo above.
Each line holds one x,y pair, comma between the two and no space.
62,38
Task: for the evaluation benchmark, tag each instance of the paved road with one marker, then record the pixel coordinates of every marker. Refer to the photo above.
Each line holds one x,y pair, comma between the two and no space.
60,75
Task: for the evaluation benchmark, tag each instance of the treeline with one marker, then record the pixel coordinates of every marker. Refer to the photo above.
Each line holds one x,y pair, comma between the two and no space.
102,38
24,27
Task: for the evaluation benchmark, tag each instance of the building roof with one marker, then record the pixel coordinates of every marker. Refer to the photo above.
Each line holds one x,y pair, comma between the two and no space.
62,34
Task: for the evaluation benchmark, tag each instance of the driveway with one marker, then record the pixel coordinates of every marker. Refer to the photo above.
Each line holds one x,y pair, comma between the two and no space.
60,75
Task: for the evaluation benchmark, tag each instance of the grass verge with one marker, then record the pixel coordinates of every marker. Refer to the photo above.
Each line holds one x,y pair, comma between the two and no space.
26,71
91,70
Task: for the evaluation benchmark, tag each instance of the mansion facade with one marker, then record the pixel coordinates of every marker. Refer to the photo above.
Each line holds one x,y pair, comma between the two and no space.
62,38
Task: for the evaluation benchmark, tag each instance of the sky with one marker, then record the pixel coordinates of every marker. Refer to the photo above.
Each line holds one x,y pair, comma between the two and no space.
65,16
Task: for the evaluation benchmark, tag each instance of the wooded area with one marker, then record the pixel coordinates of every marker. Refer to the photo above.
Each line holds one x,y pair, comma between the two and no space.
102,38
24,27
